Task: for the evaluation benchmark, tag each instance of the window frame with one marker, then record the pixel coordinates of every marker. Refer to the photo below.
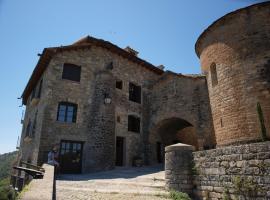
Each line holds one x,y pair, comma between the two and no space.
67,105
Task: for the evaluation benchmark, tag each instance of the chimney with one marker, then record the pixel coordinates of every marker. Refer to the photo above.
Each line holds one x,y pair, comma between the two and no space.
131,51
161,67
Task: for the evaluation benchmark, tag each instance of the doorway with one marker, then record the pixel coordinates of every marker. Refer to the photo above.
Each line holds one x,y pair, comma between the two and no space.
70,157
159,149
119,161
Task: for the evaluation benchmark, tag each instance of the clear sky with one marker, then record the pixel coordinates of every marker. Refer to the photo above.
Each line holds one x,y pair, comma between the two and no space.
163,31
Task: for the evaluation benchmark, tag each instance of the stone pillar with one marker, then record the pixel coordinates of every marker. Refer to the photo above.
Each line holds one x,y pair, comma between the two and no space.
178,167
101,151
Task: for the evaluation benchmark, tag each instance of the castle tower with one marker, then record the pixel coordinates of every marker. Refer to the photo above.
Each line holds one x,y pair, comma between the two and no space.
235,56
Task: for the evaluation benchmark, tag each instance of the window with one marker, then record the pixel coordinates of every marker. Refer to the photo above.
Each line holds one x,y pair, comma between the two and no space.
133,124
28,129
34,126
36,92
33,94
67,112
39,89
71,72
119,85
118,119
221,122
134,93
213,71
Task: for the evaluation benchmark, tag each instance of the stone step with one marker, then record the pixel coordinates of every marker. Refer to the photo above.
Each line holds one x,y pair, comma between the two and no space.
115,189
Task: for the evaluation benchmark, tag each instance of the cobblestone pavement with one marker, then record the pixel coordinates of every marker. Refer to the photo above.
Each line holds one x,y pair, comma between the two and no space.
121,183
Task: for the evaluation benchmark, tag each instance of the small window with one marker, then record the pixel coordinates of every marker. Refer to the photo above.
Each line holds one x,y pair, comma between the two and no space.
119,85
213,71
118,119
71,72
134,93
28,130
33,94
34,125
67,112
39,89
221,122
133,124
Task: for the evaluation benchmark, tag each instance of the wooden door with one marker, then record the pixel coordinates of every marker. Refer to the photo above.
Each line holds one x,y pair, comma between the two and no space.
119,161
71,157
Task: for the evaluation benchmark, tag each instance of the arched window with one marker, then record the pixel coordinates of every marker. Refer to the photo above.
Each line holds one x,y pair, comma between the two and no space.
213,72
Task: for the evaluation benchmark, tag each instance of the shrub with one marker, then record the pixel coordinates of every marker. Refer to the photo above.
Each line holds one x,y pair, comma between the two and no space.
175,195
6,191
261,118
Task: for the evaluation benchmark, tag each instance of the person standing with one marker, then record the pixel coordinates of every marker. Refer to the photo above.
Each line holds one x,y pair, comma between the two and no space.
52,157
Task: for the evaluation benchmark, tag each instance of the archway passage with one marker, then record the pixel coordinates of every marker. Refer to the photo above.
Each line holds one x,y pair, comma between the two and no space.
168,132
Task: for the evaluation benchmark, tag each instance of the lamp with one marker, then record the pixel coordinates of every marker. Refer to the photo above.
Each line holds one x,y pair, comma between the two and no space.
107,99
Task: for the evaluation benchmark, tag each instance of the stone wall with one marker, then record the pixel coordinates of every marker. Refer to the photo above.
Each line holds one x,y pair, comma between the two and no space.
178,160
41,189
34,112
232,172
237,45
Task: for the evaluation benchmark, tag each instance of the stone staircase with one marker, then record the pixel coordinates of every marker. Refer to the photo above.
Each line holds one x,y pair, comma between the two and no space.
145,180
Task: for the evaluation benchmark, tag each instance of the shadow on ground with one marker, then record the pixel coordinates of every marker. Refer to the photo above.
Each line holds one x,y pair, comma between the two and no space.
118,172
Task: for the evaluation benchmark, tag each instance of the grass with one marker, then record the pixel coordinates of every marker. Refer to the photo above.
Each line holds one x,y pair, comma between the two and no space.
175,195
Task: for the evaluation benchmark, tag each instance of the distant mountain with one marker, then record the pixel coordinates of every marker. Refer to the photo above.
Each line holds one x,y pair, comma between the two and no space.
6,161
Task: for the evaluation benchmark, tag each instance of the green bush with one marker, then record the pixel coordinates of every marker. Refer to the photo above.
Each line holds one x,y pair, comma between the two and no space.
6,191
179,195
261,118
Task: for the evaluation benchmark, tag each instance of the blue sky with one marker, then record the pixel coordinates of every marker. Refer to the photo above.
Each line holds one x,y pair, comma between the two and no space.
163,31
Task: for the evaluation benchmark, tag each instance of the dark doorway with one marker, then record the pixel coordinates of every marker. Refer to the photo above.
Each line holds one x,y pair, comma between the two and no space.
119,151
159,152
71,157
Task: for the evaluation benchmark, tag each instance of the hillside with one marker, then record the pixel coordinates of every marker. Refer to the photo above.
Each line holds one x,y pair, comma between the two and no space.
6,161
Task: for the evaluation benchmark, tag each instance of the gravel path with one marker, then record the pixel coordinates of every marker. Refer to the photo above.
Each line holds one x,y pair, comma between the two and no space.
121,183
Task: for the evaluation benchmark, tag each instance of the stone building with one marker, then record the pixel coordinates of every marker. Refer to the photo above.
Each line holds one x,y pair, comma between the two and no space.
104,106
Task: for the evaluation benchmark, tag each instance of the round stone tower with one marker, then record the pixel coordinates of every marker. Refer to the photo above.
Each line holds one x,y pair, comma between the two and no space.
235,57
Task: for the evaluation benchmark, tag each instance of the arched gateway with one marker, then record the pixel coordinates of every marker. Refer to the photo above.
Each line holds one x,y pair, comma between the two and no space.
171,131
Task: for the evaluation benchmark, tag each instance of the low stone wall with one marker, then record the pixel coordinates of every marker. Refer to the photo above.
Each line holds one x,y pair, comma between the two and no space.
178,160
236,172
41,189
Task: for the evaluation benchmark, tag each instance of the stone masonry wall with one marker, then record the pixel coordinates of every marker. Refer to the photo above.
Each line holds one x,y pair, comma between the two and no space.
178,159
238,45
34,111
232,172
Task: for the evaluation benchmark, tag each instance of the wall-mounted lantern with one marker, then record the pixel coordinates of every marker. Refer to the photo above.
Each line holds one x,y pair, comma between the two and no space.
107,99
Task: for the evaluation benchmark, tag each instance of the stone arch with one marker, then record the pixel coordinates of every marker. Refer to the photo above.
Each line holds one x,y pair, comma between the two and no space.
170,131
